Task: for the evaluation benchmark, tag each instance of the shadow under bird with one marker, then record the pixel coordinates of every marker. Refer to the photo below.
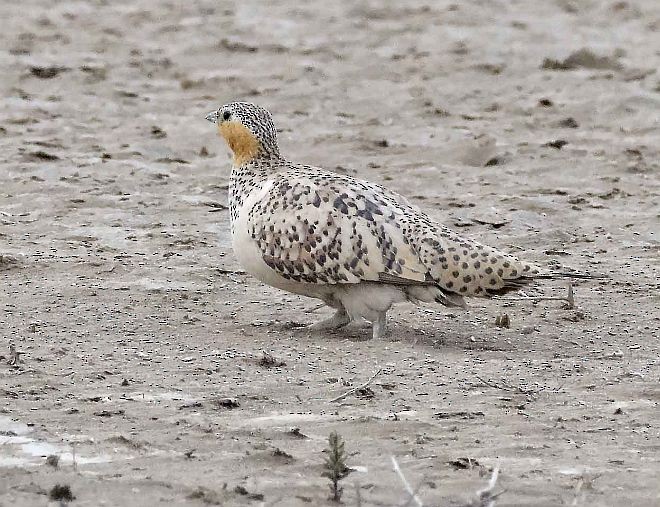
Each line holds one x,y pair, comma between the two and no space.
355,245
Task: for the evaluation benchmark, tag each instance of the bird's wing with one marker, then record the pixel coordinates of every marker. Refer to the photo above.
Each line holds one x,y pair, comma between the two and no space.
329,229
319,227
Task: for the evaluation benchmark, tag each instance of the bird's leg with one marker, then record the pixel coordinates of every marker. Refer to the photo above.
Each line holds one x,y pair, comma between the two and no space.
379,325
339,319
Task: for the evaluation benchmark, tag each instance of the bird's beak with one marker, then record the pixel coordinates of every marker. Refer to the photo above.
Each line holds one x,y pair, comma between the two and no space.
212,117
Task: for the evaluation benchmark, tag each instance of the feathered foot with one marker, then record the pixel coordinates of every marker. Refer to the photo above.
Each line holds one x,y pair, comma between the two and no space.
379,326
339,319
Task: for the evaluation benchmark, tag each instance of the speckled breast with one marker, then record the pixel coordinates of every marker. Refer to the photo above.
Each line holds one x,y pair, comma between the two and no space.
247,250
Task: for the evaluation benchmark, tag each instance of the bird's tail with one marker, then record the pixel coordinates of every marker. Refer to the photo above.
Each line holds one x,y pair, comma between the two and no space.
430,293
571,274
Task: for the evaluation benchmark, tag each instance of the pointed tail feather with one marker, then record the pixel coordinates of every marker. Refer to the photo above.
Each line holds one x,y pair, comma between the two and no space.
571,274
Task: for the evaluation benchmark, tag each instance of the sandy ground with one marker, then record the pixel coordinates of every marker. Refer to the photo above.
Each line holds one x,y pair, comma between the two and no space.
135,322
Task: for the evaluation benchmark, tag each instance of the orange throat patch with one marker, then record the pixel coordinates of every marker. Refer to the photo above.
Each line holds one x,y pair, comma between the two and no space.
240,140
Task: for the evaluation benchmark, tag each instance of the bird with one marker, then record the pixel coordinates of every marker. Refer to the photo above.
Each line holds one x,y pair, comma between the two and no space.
355,245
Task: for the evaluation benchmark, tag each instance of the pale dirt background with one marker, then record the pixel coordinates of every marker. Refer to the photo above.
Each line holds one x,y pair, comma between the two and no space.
120,288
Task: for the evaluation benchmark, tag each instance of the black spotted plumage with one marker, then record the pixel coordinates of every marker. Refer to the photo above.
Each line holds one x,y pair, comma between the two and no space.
339,212
356,245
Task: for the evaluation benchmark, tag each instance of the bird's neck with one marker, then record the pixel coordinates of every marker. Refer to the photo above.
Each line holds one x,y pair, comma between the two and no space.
244,145
258,157
247,177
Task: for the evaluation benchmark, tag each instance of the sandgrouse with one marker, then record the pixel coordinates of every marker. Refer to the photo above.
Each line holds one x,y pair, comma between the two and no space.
355,245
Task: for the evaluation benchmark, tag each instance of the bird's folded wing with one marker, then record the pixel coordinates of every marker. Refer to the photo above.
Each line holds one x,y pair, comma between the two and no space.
328,229
319,232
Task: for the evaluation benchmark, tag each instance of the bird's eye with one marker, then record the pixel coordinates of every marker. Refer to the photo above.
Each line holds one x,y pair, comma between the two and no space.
226,115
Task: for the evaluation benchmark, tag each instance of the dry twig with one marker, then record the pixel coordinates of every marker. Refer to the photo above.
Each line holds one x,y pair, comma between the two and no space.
502,386
485,497
570,298
405,482
505,386
348,393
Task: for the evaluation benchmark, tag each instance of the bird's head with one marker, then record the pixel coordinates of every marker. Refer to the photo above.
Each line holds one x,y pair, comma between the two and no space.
248,129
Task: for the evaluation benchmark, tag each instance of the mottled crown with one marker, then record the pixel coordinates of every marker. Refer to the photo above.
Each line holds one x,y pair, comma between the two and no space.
257,119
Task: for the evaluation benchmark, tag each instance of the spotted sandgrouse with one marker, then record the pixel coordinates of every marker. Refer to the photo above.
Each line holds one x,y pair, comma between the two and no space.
355,245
